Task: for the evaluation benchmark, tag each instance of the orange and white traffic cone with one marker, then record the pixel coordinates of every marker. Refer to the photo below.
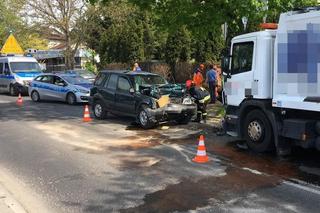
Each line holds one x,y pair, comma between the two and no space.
86,115
201,156
19,101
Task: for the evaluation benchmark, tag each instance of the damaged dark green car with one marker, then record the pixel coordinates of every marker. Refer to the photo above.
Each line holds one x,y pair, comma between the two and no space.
146,97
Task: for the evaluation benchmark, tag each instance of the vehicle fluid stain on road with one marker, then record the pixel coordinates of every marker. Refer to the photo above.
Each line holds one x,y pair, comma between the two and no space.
190,195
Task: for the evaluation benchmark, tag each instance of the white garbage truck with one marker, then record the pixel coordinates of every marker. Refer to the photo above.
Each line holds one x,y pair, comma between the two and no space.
272,91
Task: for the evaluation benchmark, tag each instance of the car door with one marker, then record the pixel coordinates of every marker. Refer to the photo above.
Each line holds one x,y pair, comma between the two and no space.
45,87
108,92
125,100
59,89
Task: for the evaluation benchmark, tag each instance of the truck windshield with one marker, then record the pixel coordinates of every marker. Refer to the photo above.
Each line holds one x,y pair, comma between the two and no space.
142,80
76,80
25,67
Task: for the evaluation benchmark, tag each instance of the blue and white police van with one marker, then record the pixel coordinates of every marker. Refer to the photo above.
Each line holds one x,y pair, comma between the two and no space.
16,73
68,88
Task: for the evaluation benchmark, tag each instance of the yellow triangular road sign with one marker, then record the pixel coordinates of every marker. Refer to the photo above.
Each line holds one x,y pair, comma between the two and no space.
11,46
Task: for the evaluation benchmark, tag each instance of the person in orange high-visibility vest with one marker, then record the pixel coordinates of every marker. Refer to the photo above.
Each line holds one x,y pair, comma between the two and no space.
198,76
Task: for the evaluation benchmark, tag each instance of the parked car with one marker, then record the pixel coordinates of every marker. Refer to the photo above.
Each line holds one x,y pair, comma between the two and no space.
60,87
148,98
83,73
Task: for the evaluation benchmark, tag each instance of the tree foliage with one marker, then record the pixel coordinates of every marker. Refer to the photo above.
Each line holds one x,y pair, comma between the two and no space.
119,32
12,21
59,21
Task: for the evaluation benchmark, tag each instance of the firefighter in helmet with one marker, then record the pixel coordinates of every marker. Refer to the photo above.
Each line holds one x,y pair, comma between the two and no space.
202,98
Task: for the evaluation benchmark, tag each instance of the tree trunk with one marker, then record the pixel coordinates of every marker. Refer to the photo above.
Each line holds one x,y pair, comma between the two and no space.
69,54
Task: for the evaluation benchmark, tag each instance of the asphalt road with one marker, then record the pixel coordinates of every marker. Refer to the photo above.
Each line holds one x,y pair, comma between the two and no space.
53,162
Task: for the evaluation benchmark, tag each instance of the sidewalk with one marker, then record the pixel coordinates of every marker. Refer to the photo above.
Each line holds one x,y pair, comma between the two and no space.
7,203
215,115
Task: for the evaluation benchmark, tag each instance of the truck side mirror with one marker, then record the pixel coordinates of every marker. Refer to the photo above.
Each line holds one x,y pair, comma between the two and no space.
131,91
225,64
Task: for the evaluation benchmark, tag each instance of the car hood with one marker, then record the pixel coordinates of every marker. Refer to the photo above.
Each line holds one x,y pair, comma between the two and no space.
173,90
86,86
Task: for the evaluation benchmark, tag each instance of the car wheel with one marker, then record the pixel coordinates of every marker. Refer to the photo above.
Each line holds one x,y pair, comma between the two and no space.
258,131
99,111
12,90
184,120
71,99
144,118
35,96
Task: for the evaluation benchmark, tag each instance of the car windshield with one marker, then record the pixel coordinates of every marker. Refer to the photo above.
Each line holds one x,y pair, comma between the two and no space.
25,67
143,80
76,80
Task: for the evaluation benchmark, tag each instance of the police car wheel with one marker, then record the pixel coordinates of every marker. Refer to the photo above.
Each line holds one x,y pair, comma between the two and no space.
71,99
35,96
99,111
12,90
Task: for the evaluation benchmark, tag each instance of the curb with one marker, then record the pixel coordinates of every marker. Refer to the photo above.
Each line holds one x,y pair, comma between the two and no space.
10,202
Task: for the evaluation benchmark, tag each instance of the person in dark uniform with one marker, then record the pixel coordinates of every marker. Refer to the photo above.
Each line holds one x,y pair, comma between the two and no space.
202,98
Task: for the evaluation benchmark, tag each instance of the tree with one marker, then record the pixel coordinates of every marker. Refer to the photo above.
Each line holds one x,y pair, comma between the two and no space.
119,32
11,21
58,20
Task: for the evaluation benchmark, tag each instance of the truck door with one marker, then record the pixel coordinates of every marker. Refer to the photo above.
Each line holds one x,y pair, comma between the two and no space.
125,101
239,85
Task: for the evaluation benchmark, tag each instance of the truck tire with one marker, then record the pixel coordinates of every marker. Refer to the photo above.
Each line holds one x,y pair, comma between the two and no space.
99,110
258,131
144,118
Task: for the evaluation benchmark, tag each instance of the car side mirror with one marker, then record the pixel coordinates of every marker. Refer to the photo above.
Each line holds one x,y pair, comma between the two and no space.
131,91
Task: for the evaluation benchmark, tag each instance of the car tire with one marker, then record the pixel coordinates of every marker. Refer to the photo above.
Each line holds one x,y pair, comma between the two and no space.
12,90
99,110
184,120
258,131
144,118
71,99
35,96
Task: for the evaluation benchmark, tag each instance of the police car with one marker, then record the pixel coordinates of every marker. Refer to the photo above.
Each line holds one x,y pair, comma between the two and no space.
16,73
60,87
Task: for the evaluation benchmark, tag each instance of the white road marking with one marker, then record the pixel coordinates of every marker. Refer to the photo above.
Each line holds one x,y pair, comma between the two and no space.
314,189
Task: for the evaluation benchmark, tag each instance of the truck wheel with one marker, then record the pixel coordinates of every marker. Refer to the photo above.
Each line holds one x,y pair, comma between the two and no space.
12,90
99,110
35,96
258,131
184,120
144,118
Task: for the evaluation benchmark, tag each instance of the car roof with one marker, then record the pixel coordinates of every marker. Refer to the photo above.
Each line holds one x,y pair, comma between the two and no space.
60,74
127,72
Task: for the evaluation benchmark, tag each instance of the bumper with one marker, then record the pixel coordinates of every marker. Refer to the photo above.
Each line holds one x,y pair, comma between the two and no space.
173,111
83,97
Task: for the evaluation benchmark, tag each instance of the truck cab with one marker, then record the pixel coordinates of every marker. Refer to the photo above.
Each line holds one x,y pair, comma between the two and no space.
272,92
16,73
